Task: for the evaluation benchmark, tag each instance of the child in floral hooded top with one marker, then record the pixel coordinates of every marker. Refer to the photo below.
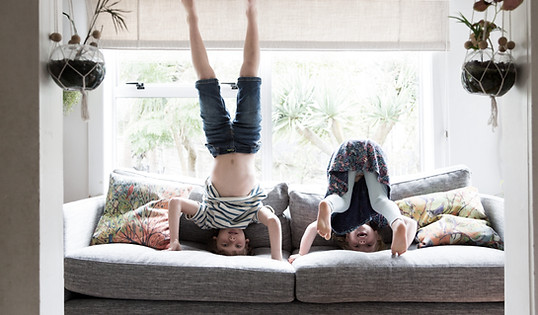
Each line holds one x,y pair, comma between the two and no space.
357,203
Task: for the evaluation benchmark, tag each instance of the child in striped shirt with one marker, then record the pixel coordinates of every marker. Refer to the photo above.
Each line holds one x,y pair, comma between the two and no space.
233,197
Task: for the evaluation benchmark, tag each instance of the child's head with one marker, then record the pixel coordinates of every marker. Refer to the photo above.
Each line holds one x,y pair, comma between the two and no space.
230,242
365,238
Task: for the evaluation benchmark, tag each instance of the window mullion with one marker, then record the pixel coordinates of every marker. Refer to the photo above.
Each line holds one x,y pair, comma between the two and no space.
267,126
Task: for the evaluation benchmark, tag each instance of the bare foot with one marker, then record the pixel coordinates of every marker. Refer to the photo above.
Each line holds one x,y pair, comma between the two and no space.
189,5
324,220
251,7
174,245
399,237
192,17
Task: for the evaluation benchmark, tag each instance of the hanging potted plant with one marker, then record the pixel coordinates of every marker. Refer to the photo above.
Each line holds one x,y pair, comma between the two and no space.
488,68
80,66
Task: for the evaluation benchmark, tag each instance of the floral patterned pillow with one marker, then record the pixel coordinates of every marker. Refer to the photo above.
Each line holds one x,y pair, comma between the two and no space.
450,230
426,209
136,211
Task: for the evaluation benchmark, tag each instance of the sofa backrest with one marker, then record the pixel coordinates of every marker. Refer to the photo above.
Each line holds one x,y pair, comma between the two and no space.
443,179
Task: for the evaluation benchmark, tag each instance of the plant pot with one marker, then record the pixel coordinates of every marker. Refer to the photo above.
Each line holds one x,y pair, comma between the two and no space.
487,75
77,67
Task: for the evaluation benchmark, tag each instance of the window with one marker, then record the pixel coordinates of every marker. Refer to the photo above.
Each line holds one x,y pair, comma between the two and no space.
311,102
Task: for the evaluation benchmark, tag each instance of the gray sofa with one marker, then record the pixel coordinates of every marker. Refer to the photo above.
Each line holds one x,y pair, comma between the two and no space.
122,278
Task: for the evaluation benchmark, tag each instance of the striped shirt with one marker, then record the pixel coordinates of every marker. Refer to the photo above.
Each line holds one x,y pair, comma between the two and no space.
217,212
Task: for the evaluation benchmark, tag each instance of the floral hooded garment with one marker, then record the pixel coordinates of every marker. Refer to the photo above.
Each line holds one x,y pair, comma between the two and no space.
359,156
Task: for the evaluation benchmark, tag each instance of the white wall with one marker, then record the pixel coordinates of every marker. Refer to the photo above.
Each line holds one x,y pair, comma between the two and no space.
471,139
75,134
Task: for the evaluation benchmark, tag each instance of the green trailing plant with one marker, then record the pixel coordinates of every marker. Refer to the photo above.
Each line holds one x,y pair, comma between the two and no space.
70,99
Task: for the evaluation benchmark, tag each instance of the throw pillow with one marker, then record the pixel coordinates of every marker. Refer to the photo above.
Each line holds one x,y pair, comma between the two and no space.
451,230
135,211
426,209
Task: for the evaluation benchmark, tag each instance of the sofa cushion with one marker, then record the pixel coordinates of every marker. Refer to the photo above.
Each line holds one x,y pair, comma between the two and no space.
434,274
303,211
425,209
453,230
135,211
453,217
127,271
442,179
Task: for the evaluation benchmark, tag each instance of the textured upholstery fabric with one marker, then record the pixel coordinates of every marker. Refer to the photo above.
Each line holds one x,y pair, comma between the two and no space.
133,307
127,271
443,179
494,207
80,219
452,273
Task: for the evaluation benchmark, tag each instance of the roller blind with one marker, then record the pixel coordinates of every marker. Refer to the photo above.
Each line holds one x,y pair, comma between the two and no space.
284,24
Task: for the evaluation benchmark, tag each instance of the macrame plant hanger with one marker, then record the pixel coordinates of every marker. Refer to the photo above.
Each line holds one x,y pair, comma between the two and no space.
75,67
489,75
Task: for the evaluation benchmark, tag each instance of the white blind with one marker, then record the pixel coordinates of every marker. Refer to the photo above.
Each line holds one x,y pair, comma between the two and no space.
284,24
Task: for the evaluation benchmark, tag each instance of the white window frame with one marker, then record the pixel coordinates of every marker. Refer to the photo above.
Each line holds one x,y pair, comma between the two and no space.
432,116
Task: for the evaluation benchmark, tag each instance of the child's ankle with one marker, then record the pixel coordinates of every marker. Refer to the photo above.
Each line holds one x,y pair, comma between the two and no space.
397,223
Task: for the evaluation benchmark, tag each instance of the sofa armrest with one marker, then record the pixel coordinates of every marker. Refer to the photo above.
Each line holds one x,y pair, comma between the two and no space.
494,208
80,220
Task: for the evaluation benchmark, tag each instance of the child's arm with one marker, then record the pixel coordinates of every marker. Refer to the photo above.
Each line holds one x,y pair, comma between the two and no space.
306,241
269,219
176,207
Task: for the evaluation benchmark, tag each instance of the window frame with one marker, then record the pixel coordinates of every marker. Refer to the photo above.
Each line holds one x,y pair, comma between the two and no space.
101,154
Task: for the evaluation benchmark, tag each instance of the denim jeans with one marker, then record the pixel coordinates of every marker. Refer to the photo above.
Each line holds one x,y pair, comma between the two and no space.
242,135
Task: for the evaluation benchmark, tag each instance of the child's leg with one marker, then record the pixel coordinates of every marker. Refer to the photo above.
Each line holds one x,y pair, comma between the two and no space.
251,50
215,116
247,122
198,51
334,203
176,207
380,202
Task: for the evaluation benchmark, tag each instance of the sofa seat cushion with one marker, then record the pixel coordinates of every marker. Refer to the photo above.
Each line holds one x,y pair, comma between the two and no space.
128,271
454,273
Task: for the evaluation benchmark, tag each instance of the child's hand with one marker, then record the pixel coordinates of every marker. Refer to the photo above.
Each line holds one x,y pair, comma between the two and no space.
293,257
174,245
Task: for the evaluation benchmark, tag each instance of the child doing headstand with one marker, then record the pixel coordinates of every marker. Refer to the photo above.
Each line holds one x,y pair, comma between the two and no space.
233,197
357,203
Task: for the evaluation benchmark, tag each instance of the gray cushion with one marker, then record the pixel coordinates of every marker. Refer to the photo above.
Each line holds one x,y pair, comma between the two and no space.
303,211
442,179
454,273
127,271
